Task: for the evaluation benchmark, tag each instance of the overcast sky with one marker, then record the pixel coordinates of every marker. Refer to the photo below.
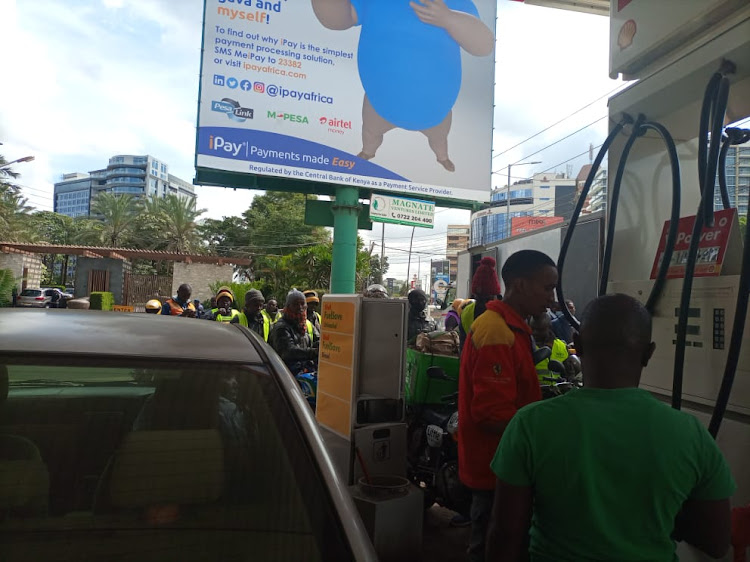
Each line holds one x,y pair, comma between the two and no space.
89,79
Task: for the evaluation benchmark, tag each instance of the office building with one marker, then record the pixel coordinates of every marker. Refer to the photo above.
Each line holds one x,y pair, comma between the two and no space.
596,200
738,179
544,199
458,241
125,174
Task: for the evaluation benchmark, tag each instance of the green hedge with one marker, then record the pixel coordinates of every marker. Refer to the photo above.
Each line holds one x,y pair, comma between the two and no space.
7,282
101,301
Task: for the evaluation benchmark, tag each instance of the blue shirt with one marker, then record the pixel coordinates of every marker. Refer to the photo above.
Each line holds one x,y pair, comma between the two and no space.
411,71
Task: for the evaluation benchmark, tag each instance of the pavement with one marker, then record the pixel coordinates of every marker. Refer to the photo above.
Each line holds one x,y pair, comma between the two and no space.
440,541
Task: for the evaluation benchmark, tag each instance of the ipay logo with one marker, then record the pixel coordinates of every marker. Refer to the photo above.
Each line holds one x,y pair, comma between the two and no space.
232,109
288,117
218,143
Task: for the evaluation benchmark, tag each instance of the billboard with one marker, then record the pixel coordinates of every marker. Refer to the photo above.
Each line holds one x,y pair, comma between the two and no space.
400,210
336,92
519,225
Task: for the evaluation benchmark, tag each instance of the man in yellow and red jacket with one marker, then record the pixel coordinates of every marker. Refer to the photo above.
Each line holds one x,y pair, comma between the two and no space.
498,376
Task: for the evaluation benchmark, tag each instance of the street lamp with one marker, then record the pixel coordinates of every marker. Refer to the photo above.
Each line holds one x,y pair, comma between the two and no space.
24,159
507,197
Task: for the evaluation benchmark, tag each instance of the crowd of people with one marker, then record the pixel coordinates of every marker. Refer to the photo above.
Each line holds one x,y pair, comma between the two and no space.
607,472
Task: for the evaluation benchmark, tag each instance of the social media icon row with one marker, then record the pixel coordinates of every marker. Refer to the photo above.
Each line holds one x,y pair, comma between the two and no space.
232,83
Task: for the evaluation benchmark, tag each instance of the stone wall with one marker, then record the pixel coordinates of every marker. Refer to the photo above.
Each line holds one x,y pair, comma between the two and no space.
17,263
117,270
200,276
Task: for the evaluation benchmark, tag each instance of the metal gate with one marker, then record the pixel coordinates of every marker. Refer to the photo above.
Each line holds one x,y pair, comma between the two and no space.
139,289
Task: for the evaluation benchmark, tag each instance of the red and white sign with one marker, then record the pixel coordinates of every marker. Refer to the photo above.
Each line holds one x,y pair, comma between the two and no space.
519,225
711,248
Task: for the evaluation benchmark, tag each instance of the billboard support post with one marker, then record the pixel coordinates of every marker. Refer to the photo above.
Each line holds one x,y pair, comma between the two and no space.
344,260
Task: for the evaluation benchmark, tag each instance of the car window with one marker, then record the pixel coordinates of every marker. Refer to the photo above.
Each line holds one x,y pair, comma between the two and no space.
31,293
137,462
49,292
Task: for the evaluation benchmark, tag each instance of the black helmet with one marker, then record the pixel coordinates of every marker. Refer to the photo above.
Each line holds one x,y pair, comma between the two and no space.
376,291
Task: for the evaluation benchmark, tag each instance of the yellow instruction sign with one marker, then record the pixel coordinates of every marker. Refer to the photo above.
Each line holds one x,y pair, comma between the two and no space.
338,317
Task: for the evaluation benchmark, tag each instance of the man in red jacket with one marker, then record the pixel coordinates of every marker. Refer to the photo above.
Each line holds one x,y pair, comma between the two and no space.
498,375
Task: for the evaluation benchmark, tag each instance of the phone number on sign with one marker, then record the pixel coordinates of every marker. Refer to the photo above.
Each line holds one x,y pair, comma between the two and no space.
411,218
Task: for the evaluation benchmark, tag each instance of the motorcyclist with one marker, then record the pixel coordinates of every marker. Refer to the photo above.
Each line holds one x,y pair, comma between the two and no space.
376,291
544,336
252,317
313,305
290,335
418,321
271,311
224,312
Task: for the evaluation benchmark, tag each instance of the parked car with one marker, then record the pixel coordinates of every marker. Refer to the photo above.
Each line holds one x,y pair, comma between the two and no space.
138,437
42,297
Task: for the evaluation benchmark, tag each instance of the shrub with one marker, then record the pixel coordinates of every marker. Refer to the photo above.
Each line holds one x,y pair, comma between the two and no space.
101,300
6,287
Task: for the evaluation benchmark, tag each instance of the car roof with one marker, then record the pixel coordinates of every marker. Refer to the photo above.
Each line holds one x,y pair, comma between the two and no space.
116,335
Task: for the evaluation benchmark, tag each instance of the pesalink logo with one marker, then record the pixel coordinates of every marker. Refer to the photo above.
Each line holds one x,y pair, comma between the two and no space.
232,109
288,117
218,144
259,87
336,125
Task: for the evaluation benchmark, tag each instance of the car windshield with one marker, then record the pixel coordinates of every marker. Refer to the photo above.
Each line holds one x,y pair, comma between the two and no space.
141,462
31,293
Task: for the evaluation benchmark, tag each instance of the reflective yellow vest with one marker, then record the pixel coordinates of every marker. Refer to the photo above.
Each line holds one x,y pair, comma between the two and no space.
310,330
268,316
559,353
219,318
266,324
467,317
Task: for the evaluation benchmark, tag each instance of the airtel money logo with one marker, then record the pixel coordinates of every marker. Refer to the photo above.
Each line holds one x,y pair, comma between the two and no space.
336,125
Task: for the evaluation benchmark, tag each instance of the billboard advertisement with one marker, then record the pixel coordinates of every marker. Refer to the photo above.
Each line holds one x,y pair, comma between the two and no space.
400,210
389,96
519,225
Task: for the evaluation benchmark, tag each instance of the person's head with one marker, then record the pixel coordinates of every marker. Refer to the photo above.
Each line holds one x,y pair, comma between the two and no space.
376,291
485,285
540,327
530,279
417,300
571,306
184,292
272,306
254,302
614,342
229,387
295,308
457,305
224,298
153,306
212,302
312,300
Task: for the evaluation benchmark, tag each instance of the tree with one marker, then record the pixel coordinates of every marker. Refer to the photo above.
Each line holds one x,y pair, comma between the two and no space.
378,270
14,209
172,224
118,214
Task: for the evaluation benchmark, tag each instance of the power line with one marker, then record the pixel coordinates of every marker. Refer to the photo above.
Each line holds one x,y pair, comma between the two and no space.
558,122
553,144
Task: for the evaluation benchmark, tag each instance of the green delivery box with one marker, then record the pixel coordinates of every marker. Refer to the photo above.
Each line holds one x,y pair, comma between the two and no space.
420,389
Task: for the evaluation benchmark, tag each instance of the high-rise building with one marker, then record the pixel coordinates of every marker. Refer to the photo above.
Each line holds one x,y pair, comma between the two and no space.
458,240
738,179
549,197
125,174
596,200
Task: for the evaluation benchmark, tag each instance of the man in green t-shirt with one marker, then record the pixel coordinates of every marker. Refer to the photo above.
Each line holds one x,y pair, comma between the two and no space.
622,475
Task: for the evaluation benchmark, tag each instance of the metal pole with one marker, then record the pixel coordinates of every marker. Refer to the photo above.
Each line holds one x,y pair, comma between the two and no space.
344,260
507,207
408,265
382,247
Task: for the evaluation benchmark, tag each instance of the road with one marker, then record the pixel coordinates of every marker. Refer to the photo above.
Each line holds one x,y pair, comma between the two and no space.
440,541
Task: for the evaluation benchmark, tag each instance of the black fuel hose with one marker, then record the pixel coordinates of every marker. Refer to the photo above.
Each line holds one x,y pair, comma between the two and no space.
734,136
723,172
626,120
640,128
712,117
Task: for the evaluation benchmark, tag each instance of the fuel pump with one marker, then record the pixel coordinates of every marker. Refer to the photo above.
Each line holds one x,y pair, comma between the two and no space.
692,62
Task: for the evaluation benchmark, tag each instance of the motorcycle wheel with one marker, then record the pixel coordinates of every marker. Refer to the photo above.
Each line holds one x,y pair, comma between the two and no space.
455,496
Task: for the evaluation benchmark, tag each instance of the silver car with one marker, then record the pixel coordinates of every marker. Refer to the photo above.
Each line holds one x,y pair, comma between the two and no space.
138,437
39,298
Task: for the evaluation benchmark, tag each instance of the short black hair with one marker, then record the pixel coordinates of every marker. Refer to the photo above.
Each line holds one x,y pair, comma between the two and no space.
616,321
525,263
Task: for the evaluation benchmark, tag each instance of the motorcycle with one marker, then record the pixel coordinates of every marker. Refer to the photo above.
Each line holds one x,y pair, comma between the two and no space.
433,450
569,378
306,375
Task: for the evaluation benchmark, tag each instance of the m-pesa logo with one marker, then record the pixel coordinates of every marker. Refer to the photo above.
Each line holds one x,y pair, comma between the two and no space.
288,117
218,144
